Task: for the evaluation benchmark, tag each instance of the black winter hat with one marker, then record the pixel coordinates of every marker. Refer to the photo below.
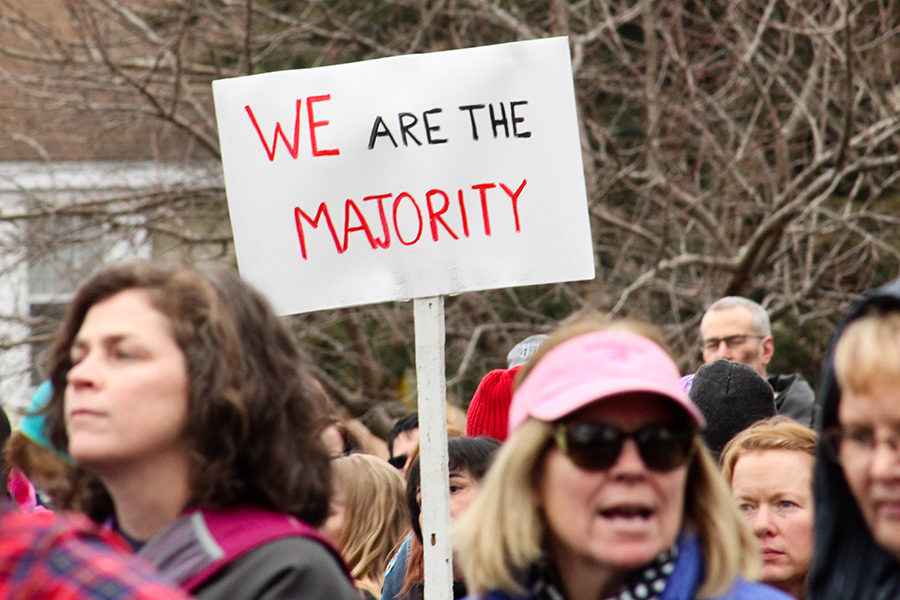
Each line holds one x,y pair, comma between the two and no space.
732,396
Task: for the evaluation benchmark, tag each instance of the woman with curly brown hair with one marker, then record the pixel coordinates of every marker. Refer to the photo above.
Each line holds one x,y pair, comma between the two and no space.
185,395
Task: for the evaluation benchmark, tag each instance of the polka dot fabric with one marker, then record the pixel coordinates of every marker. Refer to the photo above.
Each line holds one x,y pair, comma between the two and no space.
649,583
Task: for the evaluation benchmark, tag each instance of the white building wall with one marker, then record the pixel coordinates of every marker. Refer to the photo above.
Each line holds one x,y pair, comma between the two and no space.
26,185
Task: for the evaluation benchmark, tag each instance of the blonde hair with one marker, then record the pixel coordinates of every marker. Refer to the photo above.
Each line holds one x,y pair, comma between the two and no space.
376,517
727,544
775,433
503,533
867,352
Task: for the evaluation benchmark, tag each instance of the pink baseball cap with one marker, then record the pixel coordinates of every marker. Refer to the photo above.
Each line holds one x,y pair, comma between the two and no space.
594,366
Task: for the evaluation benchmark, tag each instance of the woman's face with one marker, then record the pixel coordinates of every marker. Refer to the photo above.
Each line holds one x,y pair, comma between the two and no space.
464,488
126,397
773,489
333,527
618,519
873,472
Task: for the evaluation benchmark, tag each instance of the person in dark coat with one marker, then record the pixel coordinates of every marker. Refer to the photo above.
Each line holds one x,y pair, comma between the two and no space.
739,329
857,471
186,399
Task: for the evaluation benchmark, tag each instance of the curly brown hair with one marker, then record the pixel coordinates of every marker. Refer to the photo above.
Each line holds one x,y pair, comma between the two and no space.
254,420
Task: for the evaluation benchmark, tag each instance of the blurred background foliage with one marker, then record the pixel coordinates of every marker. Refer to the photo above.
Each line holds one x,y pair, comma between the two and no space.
746,148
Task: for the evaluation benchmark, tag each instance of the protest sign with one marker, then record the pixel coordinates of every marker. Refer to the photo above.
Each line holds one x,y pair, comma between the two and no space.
409,177
406,177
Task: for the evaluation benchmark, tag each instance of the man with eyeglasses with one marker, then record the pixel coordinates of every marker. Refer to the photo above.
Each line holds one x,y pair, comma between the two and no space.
738,329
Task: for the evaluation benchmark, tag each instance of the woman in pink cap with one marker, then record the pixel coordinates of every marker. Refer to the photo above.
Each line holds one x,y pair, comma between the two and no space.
604,489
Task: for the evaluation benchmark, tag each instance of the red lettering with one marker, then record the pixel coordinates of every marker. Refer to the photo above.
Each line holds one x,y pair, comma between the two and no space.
515,199
483,188
401,223
363,226
313,125
386,242
462,212
418,214
294,148
435,216
323,210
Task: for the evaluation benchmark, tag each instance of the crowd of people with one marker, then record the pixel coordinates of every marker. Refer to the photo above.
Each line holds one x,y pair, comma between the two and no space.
180,447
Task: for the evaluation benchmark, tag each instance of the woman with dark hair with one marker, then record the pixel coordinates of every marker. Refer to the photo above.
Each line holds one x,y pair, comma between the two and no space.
185,396
856,482
468,460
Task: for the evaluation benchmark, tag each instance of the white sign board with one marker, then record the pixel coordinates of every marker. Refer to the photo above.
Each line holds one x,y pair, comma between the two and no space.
406,177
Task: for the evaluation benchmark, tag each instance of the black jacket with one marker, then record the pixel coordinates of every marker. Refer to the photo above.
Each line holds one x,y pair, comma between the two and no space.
794,397
847,562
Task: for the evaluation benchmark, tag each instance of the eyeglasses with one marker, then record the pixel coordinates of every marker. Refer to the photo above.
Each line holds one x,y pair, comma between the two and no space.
731,341
399,461
597,446
843,444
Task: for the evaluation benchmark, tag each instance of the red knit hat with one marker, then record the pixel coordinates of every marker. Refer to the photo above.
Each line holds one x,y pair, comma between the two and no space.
488,412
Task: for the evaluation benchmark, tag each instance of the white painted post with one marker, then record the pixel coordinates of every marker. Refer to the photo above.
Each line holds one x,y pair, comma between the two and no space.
428,314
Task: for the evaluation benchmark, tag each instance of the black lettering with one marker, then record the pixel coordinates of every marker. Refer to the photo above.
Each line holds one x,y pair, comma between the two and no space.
516,119
380,129
406,124
472,108
429,128
495,122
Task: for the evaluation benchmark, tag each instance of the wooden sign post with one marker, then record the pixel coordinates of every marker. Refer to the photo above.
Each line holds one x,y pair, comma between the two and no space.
430,377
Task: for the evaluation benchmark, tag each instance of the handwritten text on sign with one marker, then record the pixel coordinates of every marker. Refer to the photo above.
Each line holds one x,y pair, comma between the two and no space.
406,177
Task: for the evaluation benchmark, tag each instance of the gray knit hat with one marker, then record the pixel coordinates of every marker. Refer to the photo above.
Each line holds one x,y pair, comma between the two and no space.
523,350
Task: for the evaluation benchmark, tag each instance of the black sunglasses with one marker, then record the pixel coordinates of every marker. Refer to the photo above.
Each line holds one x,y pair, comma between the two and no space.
399,461
597,446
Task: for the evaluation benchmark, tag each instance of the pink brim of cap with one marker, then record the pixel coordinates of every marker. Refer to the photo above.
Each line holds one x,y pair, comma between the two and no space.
595,366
